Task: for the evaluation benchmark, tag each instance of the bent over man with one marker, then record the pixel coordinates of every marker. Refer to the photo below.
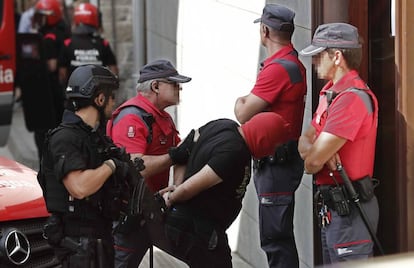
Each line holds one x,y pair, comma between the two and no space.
280,87
343,131
209,195
77,179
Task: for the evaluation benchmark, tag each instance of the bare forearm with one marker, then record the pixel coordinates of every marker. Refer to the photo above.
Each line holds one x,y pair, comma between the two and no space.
81,184
239,111
179,171
304,146
155,164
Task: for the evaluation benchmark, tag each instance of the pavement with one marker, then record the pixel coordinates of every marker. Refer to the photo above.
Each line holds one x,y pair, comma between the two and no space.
20,145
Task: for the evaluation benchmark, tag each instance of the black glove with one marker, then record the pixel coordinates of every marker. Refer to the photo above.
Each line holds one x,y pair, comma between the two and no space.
122,168
181,153
139,163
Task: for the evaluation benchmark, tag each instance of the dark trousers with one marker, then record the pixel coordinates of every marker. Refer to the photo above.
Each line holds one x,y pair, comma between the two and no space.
131,245
39,137
276,184
347,237
92,253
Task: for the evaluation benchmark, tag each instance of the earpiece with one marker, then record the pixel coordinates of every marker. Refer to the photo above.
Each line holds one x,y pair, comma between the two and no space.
337,62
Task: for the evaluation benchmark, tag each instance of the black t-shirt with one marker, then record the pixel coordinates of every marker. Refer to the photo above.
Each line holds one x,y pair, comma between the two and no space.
52,45
83,49
221,146
53,40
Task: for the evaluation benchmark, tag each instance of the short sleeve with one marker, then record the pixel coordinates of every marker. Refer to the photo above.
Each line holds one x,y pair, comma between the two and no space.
346,115
229,154
68,153
131,132
271,82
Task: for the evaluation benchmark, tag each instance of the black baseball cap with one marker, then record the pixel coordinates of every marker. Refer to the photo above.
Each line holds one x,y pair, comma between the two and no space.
332,35
161,69
277,17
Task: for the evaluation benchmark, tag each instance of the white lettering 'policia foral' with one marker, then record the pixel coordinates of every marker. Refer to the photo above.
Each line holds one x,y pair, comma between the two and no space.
83,56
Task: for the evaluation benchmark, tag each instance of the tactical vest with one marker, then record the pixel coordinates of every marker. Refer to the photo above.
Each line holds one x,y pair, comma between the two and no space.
54,192
146,117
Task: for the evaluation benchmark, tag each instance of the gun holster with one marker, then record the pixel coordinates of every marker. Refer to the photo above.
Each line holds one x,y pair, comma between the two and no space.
53,230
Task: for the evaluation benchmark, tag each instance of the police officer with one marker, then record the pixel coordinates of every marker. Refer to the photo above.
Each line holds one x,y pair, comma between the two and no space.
343,131
146,130
280,87
76,177
85,46
48,20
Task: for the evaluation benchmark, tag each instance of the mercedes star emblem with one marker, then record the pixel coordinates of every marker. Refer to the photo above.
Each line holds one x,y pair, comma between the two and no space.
16,246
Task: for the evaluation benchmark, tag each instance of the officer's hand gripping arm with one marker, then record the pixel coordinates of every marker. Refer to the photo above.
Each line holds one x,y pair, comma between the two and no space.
181,153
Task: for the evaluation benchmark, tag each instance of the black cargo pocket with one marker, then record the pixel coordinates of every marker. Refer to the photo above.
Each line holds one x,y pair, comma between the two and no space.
276,213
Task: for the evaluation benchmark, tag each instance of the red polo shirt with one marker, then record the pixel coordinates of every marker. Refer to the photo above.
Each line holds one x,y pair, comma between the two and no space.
351,118
131,132
282,83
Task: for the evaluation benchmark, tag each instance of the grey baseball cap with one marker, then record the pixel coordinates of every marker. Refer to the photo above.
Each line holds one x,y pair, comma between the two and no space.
277,17
161,69
336,35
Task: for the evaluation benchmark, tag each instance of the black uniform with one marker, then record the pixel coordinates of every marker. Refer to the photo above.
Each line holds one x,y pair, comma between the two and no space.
197,226
53,43
43,97
78,229
86,47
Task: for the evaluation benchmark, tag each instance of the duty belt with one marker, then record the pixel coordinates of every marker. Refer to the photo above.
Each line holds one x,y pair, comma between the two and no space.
364,187
283,154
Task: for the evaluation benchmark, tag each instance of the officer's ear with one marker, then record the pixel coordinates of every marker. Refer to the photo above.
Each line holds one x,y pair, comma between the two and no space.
100,99
154,87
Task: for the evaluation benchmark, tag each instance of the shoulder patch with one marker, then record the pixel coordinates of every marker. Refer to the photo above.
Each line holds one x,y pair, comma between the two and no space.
50,36
67,42
365,98
131,131
292,69
105,42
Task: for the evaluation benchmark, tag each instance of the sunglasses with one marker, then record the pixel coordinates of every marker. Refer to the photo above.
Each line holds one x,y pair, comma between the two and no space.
175,84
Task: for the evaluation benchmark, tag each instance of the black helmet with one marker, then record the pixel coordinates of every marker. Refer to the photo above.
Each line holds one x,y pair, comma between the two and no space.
86,79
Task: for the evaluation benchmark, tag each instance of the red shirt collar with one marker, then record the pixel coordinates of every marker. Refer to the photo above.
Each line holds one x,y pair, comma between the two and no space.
350,79
279,54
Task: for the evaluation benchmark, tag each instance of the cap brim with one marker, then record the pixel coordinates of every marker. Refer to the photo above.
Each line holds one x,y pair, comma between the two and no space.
311,50
257,20
179,78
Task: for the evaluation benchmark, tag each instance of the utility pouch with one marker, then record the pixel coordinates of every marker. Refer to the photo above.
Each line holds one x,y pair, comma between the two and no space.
339,200
84,256
53,230
281,154
365,188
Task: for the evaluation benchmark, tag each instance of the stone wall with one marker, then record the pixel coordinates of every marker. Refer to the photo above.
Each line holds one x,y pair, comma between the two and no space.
117,24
